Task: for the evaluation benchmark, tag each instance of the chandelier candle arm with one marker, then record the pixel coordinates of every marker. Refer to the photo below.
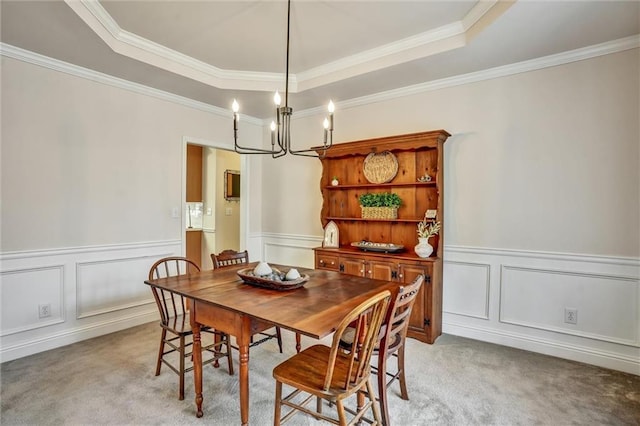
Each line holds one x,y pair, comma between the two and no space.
281,128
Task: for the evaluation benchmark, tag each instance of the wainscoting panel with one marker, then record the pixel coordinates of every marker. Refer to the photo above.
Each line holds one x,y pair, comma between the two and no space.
290,249
538,298
112,285
527,294
467,289
24,291
91,291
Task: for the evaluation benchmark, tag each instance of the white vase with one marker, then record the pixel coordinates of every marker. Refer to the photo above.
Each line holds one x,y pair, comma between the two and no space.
423,249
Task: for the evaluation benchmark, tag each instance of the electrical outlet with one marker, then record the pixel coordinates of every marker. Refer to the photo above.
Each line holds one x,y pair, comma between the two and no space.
44,310
570,316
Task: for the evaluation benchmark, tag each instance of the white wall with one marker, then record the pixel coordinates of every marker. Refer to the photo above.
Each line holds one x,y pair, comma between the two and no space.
91,174
542,203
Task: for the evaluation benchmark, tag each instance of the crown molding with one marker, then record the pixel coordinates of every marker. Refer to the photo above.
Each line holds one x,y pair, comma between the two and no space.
78,71
615,46
441,39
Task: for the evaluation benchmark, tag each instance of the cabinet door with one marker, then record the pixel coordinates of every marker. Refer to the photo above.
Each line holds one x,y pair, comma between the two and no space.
194,246
420,315
352,266
380,270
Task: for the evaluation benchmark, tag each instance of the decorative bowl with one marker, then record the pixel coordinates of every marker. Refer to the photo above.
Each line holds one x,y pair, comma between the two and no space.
274,281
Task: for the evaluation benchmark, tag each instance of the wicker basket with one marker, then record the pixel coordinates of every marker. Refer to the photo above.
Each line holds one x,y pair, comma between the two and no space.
379,212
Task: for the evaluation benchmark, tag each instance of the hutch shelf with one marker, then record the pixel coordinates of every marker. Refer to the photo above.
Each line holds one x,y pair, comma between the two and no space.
419,157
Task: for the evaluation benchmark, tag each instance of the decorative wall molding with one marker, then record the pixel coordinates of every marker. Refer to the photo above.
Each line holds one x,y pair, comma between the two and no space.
128,278
32,278
527,303
98,77
615,46
92,290
605,279
476,314
440,39
484,270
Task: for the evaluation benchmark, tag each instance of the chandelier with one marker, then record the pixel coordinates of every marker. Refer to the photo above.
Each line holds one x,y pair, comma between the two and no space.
281,128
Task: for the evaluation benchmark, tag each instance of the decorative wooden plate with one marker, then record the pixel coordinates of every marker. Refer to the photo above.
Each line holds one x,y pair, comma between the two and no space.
380,247
380,167
247,276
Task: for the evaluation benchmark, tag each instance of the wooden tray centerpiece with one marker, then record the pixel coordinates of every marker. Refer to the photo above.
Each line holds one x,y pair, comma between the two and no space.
276,280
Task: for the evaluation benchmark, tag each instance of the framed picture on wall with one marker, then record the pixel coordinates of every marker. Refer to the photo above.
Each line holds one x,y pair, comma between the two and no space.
231,185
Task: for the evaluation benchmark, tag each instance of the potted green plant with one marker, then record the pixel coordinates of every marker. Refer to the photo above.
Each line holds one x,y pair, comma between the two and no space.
426,229
383,205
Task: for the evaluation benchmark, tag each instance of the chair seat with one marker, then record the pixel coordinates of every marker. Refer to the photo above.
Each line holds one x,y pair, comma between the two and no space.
347,339
307,370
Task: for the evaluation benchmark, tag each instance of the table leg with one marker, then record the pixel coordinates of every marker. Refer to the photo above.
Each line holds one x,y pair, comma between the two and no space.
298,347
243,340
197,367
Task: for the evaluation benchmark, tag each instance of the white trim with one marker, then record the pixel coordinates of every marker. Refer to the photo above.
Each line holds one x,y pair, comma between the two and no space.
454,35
502,318
487,284
77,334
98,77
83,249
572,257
615,46
602,358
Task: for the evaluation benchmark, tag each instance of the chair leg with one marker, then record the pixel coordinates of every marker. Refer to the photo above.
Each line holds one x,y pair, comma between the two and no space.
279,337
374,405
276,414
181,368
341,414
382,387
216,349
403,382
227,339
163,336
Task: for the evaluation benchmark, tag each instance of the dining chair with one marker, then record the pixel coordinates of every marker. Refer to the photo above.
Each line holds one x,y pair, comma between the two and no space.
327,373
176,328
228,258
392,337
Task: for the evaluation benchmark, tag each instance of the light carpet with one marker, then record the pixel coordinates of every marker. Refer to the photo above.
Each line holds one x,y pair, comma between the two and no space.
456,381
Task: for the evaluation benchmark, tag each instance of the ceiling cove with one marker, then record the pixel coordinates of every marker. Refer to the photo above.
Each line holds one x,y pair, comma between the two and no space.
444,38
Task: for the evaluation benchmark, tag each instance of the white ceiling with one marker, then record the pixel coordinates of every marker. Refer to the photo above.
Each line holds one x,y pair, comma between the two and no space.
215,51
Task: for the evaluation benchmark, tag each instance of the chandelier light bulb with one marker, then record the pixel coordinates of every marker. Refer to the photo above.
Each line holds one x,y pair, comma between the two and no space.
331,107
325,123
234,106
276,98
273,126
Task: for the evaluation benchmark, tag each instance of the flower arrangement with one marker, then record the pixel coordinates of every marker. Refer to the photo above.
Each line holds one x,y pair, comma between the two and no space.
427,228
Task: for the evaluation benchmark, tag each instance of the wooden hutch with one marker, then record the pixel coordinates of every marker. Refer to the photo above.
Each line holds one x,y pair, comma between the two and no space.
419,183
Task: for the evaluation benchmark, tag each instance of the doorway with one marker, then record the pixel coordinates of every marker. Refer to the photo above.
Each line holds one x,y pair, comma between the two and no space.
221,214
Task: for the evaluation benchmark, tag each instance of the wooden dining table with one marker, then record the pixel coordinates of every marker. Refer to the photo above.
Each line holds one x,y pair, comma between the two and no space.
221,300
